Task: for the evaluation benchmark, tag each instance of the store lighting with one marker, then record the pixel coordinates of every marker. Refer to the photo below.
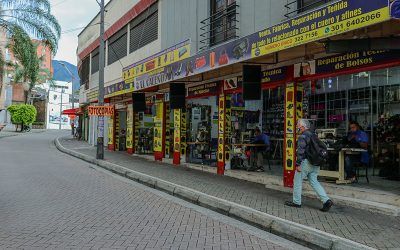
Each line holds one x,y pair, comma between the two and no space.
330,83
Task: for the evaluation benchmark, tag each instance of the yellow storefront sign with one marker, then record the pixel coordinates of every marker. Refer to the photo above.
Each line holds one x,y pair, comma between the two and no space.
334,19
161,60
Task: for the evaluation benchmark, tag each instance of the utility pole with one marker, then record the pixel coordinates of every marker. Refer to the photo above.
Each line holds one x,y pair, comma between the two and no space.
100,122
61,103
72,88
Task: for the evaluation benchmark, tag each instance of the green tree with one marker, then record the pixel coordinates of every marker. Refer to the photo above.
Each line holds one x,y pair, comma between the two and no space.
27,65
32,17
23,19
22,114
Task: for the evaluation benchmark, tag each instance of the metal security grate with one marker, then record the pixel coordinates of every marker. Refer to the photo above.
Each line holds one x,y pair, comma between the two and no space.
84,72
95,61
296,7
144,32
117,46
221,26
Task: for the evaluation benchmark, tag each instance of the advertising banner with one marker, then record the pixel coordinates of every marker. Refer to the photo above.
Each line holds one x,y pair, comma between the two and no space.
164,58
117,89
353,60
330,20
344,61
92,95
333,19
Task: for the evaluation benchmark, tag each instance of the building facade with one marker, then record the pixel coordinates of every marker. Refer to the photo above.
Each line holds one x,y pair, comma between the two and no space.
242,65
15,93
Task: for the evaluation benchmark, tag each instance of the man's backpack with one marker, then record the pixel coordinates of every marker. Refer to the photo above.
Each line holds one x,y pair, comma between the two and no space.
317,152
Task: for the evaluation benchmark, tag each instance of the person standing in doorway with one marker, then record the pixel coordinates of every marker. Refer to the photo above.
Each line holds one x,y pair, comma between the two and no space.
261,138
356,138
305,169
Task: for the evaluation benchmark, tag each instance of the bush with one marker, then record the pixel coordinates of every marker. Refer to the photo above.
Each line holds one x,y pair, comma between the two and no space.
22,114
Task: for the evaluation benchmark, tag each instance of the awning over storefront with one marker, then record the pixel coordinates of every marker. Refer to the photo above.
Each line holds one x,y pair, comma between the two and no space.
76,111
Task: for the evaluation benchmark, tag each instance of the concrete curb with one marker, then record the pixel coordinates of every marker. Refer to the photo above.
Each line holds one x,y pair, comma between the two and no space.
287,229
361,198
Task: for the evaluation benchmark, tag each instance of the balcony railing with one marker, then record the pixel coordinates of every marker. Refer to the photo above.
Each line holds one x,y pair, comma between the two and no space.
219,27
296,7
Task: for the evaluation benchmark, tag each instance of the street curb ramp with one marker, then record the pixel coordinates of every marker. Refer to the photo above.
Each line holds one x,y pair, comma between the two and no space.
293,231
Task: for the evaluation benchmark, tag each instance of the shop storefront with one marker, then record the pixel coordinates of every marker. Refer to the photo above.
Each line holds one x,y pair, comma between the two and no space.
202,123
365,90
217,125
144,128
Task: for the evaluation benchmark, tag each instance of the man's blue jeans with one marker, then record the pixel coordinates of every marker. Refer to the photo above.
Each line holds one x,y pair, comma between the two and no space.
311,172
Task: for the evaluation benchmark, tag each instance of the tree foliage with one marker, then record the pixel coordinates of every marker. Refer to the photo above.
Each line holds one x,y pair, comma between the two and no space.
27,68
22,114
33,17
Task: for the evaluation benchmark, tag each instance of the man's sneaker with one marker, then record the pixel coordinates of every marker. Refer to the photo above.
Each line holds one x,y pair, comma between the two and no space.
327,205
291,204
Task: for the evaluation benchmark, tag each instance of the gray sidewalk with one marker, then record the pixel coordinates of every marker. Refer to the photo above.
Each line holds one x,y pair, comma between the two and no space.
372,229
8,133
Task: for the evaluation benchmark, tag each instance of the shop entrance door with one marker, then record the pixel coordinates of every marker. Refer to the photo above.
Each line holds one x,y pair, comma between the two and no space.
120,131
201,144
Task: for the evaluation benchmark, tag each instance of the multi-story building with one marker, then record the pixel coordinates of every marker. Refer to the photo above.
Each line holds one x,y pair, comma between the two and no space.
5,80
227,67
14,93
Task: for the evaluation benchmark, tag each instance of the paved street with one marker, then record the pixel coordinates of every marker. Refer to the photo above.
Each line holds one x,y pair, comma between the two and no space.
372,229
51,200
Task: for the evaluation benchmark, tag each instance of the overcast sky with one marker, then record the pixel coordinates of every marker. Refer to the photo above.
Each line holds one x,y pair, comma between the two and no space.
72,14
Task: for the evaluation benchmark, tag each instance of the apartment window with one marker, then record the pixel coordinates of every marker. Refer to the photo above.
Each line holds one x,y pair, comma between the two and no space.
304,5
84,71
117,46
95,61
223,18
295,7
144,29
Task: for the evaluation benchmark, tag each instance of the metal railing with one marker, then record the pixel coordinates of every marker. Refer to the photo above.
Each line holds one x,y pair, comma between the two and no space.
296,7
219,27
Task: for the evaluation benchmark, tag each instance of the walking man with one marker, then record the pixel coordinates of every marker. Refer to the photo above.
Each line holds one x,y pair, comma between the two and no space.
305,169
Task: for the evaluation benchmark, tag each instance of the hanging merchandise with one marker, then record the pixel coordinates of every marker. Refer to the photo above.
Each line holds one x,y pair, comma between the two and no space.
228,132
116,132
129,129
221,135
111,133
183,134
168,136
388,129
291,113
136,131
158,127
